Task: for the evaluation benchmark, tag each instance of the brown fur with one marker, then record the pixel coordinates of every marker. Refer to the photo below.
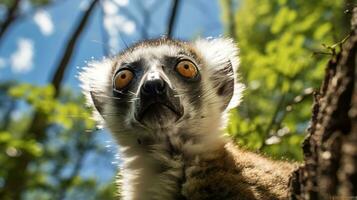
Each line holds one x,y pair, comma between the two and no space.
236,174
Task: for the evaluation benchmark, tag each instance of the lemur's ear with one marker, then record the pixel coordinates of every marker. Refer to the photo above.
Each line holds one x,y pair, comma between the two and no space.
221,55
96,101
95,80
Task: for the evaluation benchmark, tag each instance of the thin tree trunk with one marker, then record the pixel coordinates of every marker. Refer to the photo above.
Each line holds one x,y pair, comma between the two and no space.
16,179
229,18
172,19
83,148
330,149
10,18
61,68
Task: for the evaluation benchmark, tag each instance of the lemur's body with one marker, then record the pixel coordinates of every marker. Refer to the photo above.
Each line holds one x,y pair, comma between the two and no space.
165,103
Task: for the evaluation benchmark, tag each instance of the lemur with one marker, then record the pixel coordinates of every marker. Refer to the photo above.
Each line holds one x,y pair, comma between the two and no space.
166,102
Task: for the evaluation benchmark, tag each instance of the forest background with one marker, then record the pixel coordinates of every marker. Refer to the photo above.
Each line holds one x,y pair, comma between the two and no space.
49,146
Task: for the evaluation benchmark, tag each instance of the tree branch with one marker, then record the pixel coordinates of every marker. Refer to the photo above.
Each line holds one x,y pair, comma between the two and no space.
71,45
172,19
10,18
230,19
13,15
83,147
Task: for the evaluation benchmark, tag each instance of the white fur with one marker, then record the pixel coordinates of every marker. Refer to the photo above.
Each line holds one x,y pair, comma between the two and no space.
94,78
217,52
140,180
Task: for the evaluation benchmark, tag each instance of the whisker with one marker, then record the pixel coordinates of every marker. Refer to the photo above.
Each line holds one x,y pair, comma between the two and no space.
109,97
131,92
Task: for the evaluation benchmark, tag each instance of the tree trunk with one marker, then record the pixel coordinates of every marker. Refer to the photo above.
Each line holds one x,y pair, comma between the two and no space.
330,149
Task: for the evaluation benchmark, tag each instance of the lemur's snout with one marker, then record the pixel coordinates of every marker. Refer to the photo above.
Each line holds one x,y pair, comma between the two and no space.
155,86
157,103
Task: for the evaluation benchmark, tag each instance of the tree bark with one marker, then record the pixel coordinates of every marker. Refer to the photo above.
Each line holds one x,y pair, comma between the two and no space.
330,149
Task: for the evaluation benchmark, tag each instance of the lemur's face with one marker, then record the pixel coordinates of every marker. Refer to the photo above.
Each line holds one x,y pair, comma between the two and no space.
156,86
163,84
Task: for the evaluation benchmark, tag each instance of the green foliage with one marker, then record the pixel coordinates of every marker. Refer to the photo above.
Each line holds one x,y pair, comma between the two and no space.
277,38
59,112
69,139
277,41
40,2
9,3
12,145
6,3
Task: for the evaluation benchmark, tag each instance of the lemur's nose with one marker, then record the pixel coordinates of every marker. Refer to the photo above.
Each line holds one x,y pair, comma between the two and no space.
155,86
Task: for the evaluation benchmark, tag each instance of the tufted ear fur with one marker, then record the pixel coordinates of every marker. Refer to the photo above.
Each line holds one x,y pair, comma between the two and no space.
221,55
95,79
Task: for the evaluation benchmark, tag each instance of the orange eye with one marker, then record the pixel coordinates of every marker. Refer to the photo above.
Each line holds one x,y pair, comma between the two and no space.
187,69
122,79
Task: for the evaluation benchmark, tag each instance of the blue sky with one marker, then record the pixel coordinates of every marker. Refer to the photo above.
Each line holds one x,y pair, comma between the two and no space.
32,47
196,18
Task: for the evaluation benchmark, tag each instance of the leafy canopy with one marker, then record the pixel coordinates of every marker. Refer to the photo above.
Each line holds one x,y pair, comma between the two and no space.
279,42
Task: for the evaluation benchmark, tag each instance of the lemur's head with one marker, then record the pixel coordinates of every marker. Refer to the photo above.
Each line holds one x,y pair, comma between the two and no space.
164,84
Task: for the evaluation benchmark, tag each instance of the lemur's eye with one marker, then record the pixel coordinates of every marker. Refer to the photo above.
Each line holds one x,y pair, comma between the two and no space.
187,69
122,79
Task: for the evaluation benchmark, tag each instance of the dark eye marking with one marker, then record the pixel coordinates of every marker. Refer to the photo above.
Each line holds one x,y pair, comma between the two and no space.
135,66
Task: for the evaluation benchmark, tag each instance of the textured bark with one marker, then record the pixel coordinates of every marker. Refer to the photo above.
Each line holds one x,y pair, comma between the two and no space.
330,149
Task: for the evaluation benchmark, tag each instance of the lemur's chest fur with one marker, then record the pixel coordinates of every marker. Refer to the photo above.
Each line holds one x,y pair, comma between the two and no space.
175,170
